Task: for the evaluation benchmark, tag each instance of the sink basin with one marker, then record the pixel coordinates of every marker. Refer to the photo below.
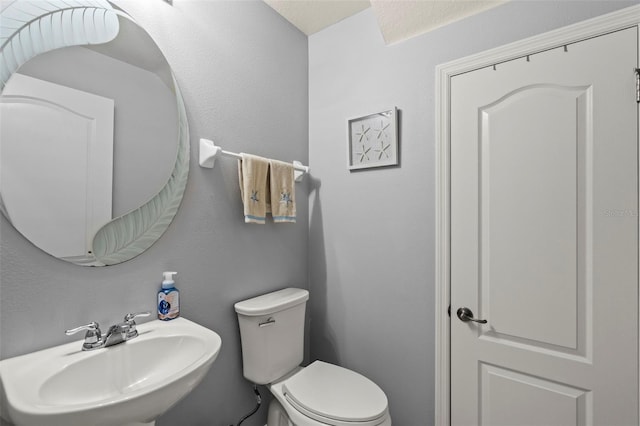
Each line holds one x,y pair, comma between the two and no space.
127,384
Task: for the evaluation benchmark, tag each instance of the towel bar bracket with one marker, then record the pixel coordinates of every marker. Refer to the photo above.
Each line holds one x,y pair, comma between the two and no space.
297,172
208,153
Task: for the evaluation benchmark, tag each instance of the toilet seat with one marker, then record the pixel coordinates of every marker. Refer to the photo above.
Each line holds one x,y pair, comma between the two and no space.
336,396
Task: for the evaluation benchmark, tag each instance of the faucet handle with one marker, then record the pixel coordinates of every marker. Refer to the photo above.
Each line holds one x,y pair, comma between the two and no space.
92,338
129,319
92,328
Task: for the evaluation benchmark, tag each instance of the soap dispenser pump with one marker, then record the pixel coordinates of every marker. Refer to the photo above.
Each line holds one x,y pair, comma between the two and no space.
168,298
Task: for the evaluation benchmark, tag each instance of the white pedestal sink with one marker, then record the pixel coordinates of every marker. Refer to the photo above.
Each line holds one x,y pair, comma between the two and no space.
130,384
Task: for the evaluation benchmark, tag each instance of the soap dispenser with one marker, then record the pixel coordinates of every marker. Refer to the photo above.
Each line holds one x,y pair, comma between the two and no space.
168,298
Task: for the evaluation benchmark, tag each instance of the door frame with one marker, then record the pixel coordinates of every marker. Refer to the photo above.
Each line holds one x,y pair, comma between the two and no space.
621,19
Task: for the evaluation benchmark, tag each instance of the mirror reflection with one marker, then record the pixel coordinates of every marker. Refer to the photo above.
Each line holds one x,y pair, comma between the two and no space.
87,134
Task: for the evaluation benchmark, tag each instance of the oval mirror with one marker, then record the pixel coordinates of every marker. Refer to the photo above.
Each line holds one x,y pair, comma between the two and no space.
94,141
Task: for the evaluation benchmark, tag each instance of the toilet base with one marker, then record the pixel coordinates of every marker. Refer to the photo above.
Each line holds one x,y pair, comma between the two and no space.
277,415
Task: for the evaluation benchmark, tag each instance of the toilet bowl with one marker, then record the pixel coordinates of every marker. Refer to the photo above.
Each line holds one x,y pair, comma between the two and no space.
326,394
321,394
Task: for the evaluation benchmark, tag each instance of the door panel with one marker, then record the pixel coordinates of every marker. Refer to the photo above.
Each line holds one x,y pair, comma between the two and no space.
555,403
544,238
528,196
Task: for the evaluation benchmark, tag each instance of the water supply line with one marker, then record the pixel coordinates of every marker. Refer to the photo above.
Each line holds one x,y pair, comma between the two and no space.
255,410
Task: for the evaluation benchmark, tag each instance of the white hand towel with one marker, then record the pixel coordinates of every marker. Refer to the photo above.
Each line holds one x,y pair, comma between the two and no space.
283,192
254,189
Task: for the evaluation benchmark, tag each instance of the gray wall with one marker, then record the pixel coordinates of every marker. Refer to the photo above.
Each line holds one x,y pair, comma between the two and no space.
371,255
242,70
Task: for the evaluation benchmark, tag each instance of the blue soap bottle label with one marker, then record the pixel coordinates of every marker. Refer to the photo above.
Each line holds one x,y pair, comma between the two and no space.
168,299
168,304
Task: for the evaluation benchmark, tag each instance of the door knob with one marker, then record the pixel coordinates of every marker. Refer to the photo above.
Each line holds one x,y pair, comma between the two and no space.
466,315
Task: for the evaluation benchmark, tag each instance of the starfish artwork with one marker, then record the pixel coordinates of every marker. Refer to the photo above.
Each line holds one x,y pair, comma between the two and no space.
364,154
382,131
362,134
383,150
373,140
254,196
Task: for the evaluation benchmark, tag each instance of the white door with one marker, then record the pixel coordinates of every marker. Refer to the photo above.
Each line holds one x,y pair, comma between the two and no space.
544,238
56,164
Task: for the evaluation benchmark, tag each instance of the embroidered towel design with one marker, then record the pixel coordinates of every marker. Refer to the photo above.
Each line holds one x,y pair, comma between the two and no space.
254,188
283,191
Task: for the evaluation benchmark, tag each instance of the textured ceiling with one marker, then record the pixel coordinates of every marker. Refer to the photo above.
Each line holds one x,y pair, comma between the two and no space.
311,16
398,19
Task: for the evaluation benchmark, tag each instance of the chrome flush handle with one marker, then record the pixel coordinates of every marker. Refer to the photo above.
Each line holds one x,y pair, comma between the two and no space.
466,315
269,321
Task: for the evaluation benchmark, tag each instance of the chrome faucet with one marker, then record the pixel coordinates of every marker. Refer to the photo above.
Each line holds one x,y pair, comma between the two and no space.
117,333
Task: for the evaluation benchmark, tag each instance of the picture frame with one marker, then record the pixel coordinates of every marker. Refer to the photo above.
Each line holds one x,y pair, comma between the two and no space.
373,140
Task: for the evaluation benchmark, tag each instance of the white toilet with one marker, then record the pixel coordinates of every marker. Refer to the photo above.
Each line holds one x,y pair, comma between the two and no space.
272,333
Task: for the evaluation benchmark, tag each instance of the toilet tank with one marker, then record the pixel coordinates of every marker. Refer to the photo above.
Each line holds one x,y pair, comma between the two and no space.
272,334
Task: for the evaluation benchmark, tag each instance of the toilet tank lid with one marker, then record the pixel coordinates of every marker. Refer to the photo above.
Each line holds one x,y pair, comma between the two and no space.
272,302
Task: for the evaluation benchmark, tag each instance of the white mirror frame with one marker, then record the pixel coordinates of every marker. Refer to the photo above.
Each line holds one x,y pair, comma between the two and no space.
129,235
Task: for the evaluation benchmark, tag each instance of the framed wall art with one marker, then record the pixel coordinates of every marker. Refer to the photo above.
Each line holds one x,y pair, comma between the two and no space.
373,140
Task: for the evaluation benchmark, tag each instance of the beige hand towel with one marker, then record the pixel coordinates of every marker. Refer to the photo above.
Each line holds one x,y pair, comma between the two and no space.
254,189
283,194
